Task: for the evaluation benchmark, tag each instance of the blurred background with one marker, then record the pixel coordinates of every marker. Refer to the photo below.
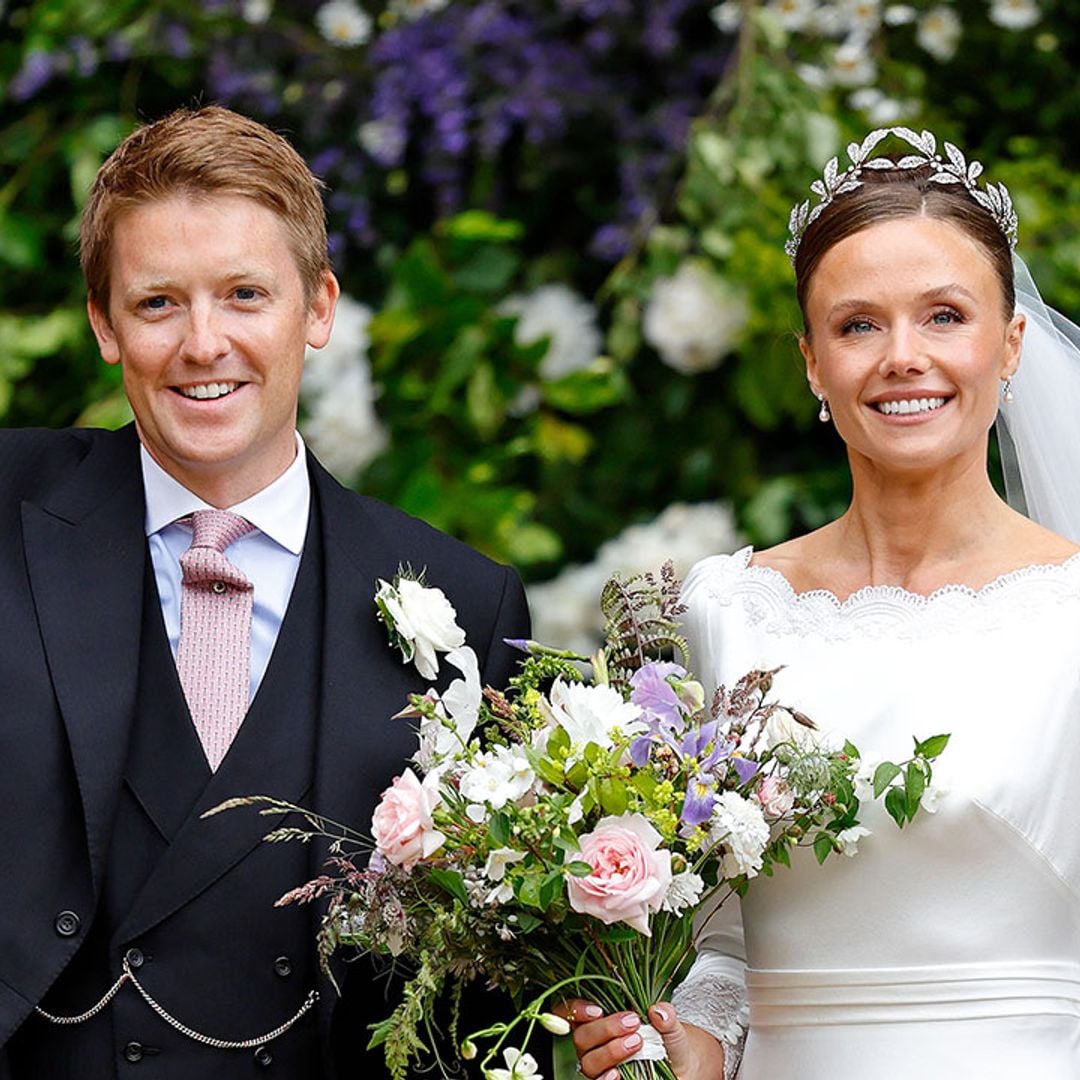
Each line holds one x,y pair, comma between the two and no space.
567,333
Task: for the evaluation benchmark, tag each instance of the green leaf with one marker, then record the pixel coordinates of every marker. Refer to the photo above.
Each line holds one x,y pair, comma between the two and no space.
20,241
598,386
528,890
613,797
558,743
380,1032
823,846
499,829
884,775
527,922
896,805
783,856
932,747
452,882
480,225
914,786
578,868
851,750
551,887
490,271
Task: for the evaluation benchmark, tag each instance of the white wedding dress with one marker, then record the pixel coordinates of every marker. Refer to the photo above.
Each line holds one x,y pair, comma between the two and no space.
950,949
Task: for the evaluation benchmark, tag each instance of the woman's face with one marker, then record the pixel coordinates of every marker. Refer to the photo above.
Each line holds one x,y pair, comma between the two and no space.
908,342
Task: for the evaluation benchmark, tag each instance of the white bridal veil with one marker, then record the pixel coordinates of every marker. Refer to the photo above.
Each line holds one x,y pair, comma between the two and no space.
1039,429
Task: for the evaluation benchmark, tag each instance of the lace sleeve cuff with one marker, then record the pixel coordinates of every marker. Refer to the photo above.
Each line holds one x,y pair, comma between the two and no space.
715,1000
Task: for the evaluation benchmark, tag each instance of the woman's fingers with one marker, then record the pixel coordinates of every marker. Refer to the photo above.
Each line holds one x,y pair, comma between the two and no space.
606,1043
577,1010
691,1052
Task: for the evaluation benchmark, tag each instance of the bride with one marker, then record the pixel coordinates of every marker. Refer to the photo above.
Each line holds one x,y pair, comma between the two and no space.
951,949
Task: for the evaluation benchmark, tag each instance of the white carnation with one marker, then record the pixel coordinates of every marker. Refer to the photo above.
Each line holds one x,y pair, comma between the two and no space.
343,23
684,892
694,319
558,313
740,826
938,32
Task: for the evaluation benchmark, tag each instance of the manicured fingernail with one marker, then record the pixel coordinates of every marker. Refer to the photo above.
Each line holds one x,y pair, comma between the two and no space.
630,1021
611,1074
593,1012
662,1013
632,1042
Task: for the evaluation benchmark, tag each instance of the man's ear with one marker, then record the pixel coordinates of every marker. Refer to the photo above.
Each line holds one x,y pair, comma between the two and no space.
103,331
321,310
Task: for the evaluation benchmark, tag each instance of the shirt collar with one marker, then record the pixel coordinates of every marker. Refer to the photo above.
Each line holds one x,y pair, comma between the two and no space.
280,510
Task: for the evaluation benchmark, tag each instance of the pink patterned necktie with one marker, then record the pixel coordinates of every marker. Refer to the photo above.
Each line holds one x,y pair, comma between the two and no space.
214,655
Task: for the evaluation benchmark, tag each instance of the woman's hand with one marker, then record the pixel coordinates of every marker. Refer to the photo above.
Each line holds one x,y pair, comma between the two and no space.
605,1042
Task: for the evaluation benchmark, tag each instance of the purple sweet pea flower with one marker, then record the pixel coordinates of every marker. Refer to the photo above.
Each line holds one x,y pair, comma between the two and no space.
655,696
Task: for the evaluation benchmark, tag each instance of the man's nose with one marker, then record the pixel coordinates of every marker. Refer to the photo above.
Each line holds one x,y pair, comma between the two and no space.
205,341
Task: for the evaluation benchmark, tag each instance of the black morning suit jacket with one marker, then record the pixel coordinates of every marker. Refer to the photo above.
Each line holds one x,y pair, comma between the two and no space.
96,747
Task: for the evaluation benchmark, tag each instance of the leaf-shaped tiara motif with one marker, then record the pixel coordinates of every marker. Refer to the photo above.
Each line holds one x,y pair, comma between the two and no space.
950,169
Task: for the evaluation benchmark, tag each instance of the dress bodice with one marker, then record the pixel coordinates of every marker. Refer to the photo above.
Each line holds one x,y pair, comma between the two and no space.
971,913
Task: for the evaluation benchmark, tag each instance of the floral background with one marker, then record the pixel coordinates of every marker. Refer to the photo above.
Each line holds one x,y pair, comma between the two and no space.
567,334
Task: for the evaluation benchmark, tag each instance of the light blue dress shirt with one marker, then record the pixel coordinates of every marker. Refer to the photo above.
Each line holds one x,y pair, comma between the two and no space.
269,557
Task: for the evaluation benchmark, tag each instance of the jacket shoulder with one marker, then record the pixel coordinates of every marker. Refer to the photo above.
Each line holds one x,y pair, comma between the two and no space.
33,457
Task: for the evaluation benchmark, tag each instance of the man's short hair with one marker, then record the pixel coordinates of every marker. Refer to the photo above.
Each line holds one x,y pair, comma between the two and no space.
195,153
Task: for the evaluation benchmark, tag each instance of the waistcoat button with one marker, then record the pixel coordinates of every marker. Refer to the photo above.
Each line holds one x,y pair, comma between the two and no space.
133,1052
135,958
67,924
283,967
263,1056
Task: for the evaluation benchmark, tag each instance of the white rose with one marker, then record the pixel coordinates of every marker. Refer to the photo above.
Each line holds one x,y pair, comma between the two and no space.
424,621
694,319
591,714
740,826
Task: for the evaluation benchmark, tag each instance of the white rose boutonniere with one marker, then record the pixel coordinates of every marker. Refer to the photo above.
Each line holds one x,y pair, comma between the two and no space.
420,620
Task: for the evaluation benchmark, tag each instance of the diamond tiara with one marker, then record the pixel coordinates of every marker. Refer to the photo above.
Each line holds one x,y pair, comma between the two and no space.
994,198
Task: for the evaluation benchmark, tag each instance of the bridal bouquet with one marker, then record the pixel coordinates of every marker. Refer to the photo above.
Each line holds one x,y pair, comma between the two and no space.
558,836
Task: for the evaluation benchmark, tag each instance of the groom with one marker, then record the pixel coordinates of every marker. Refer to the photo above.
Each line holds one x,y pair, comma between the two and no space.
159,655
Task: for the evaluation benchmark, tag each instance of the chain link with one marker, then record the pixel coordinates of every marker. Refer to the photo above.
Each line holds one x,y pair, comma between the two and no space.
206,1040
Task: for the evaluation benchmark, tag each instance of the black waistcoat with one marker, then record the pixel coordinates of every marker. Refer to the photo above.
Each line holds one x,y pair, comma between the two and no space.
189,901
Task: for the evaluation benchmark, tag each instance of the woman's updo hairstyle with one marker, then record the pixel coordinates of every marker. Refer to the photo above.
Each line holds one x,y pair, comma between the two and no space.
890,194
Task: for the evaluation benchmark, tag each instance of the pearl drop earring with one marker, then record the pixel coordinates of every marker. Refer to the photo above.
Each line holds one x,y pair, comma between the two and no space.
823,415
1006,392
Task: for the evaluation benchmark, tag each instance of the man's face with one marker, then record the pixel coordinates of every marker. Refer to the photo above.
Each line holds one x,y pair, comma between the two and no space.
208,318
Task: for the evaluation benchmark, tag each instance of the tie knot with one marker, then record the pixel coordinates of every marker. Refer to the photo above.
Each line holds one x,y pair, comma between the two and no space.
217,529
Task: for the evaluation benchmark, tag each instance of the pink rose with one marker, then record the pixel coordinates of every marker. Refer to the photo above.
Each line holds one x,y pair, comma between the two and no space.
630,874
402,825
775,796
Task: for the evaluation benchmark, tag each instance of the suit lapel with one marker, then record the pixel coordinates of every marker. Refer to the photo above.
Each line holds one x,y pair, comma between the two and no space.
86,550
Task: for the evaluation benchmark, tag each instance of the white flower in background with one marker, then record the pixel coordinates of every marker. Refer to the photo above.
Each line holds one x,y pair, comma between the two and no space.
815,77
338,396
591,714
1015,14
558,313
852,64
415,9
740,826
727,16
848,839
684,892
939,32
519,1066
343,23
782,727
256,12
421,621
861,17
382,139
793,14
694,319
828,21
864,777
500,776
566,609
900,15
880,110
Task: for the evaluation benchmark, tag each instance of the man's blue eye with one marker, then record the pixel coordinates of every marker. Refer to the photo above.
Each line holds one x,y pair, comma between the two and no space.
245,294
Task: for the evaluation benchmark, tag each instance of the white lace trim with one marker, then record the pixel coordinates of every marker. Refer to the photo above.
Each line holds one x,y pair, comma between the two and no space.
716,1004
877,610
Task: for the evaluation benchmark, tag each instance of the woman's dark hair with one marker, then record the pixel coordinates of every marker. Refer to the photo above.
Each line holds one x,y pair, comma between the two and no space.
889,194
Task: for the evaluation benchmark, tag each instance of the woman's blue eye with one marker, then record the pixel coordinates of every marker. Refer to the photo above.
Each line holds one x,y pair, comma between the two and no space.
943,318
858,326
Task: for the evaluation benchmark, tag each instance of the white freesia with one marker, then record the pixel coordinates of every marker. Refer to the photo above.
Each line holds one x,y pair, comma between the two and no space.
519,1066
448,733
938,32
1015,14
566,319
343,23
499,776
591,714
684,892
848,839
422,620
695,318
740,826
